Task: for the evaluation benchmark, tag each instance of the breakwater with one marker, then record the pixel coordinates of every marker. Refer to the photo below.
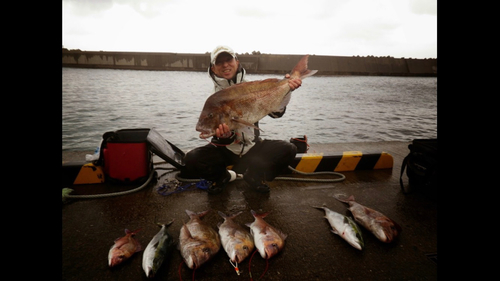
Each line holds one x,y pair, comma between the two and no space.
253,63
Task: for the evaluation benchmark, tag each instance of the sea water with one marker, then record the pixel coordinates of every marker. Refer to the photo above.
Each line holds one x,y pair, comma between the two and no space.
327,109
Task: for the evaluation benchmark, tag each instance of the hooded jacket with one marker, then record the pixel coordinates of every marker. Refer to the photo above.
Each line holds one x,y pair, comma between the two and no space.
242,140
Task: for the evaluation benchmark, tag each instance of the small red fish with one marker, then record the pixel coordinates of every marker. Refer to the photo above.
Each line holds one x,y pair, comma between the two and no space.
198,241
268,240
123,248
385,229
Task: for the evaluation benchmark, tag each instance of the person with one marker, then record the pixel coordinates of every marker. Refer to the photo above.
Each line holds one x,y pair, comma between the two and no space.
256,159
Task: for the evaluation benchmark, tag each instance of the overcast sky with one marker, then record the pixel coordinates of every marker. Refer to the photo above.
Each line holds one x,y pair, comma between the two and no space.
397,28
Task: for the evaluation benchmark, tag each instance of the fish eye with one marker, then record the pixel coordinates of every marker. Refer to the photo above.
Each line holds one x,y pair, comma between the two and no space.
206,250
210,115
245,247
275,245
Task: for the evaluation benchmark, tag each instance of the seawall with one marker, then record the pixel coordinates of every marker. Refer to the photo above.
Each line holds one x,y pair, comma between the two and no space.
253,63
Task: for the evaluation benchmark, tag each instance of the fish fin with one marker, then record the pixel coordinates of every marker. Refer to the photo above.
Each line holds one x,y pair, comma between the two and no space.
284,102
241,121
351,198
139,247
300,70
387,222
374,214
224,216
186,229
283,235
334,231
233,231
263,230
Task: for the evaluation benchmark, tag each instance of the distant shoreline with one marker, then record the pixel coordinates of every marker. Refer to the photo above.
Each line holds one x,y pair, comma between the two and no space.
253,63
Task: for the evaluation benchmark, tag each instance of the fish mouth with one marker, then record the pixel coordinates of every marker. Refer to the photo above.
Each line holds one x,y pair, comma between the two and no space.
269,253
205,135
194,262
237,258
357,246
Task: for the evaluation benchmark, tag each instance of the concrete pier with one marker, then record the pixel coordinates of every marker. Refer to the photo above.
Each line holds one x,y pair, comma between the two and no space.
311,252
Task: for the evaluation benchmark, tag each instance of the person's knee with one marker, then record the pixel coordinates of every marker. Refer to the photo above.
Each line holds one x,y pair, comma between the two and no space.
292,148
289,150
205,162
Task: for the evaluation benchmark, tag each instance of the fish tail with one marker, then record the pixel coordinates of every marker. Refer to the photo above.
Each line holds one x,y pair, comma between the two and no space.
318,207
263,215
351,198
300,70
235,214
200,214
165,224
224,216
190,213
132,232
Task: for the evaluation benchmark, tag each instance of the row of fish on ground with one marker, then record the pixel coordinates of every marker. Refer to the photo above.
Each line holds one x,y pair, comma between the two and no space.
199,242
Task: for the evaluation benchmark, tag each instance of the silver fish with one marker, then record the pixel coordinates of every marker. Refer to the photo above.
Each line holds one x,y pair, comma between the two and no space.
157,250
344,227
377,223
198,242
243,104
268,240
123,248
236,241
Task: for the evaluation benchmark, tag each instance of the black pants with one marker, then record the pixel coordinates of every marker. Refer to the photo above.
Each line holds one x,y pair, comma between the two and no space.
263,162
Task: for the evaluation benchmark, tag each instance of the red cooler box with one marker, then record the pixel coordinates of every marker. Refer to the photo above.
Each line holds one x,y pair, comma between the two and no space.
126,155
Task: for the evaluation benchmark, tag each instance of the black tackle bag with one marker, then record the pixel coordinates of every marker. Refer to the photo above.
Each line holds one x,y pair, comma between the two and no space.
421,167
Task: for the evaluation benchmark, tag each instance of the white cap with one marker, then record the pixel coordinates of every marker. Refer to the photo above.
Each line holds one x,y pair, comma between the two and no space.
218,50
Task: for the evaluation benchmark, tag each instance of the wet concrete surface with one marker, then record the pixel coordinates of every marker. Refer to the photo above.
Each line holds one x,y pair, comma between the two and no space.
311,252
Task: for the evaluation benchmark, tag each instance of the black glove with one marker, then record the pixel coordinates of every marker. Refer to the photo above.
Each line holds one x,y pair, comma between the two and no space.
224,141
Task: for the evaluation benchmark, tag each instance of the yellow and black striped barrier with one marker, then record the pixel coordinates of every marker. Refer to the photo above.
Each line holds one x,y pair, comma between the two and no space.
81,173
347,161
88,173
